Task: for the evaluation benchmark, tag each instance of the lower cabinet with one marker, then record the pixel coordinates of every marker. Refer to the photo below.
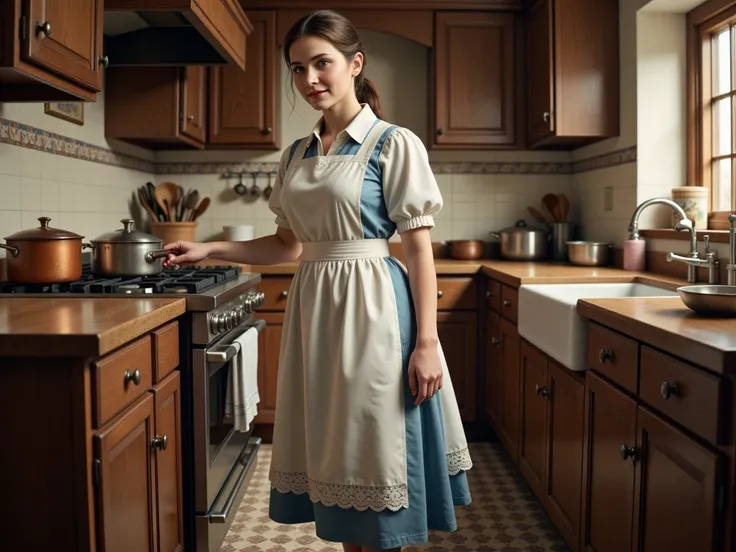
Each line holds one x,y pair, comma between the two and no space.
649,486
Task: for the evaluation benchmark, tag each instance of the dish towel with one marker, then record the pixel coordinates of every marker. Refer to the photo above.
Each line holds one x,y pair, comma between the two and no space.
242,382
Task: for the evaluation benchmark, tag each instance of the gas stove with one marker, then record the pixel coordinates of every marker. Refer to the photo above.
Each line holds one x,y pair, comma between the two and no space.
204,287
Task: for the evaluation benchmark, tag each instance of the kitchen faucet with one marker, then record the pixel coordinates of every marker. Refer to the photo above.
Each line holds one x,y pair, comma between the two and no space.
692,260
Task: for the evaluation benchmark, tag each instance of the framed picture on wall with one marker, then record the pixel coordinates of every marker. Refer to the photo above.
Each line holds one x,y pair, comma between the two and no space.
69,111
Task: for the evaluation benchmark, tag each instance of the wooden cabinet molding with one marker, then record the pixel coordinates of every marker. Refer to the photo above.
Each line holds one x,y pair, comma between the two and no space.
387,4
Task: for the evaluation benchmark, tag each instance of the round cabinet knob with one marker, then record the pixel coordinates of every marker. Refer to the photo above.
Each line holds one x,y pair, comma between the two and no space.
605,355
440,131
104,61
267,130
43,28
495,341
440,293
542,391
190,118
545,117
284,294
506,303
160,443
134,376
489,294
628,453
668,390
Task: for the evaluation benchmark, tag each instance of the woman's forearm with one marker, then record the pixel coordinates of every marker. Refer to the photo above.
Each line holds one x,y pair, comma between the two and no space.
278,248
417,248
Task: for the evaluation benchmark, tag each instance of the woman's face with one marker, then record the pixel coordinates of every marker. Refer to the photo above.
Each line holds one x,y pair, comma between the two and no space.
322,75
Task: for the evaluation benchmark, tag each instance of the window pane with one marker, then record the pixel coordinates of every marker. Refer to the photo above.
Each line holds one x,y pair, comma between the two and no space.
722,127
722,185
722,62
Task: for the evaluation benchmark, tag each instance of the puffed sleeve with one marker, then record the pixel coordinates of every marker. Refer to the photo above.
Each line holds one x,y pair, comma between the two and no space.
410,189
274,202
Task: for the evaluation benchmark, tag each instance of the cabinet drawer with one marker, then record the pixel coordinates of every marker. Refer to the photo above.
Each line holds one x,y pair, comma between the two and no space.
456,293
689,396
120,378
493,295
614,356
510,303
165,350
276,291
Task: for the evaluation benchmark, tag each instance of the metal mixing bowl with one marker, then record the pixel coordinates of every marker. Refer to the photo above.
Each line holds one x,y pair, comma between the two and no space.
710,300
588,253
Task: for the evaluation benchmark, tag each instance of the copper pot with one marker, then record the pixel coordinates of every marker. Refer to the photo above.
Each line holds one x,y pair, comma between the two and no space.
466,250
44,255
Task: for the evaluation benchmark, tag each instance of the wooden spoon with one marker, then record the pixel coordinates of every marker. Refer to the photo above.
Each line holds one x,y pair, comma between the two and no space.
167,196
550,202
201,208
564,207
539,217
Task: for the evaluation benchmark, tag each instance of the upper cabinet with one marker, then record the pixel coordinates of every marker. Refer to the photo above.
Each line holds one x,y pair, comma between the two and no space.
573,71
242,106
51,50
474,77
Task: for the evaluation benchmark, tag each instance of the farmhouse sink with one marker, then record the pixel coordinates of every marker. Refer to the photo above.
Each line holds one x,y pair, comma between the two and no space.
549,320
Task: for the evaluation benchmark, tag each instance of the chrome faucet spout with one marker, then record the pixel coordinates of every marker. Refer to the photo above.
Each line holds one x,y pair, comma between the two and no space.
684,224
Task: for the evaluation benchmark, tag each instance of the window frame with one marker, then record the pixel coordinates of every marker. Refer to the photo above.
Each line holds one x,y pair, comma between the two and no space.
702,21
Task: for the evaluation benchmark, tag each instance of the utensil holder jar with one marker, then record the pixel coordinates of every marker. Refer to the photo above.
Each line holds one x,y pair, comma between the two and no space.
562,232
174,231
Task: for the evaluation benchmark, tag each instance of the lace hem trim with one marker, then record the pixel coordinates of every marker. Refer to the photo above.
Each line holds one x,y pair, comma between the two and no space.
393,497
459,461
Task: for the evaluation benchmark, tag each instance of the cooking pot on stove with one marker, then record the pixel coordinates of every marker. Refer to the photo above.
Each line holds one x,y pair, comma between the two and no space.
127,252
44,255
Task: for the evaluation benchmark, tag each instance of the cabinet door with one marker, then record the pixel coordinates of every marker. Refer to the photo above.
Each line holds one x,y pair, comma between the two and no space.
678,490
540,49
609,474
269,345
66,38
509,433
243,103
474,76
565,435
533,423
168,464
494,369
193,114
126,503
457,333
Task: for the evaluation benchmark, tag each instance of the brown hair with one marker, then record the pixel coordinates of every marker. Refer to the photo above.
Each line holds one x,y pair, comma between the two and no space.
340,32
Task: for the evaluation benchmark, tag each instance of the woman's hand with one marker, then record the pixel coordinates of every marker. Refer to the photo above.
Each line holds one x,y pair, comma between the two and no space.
185,252
425,373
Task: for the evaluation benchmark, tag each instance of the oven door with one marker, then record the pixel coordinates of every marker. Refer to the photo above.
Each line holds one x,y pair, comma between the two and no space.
217,446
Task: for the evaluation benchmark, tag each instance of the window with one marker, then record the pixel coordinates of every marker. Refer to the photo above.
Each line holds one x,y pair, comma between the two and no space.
711,44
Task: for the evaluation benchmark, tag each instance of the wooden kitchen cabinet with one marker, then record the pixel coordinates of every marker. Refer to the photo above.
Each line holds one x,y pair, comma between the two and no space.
457,333
648,486
572,55
51,50
157,107
242,108
475,89
494,371
116,486
269,345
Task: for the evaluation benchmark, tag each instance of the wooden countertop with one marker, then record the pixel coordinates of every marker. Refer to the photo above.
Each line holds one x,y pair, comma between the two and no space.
667,324
78,327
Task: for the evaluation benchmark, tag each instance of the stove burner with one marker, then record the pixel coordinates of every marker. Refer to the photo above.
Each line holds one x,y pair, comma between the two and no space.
185,280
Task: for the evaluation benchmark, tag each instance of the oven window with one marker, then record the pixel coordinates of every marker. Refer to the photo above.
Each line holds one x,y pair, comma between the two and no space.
220,427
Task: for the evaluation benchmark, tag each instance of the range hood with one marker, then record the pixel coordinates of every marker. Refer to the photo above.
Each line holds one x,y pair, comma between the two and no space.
175,32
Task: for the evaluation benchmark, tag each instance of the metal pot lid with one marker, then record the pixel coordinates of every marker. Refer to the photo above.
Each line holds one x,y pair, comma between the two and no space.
127,234
44,232
521,228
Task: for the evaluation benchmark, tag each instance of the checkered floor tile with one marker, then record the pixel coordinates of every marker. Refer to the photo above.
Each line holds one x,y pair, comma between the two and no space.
504,516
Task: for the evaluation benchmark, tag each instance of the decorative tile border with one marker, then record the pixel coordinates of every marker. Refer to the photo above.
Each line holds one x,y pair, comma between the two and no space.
27,136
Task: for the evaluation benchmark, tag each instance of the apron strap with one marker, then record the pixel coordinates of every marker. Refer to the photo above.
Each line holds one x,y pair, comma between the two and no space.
373,137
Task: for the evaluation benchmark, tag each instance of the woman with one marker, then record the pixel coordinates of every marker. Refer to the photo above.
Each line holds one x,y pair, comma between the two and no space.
368,441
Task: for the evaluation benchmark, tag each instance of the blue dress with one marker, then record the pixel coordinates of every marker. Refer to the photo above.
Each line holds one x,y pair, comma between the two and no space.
351,452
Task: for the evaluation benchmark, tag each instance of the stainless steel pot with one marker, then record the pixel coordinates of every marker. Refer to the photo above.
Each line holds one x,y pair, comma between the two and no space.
523,243
127,252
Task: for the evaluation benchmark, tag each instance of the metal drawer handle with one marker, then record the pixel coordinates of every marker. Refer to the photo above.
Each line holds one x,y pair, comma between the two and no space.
668,390
284,294
605,355
44,28
496,342
506,303
104,61
134,376
160,443
629,453
489,294
440,293
542,391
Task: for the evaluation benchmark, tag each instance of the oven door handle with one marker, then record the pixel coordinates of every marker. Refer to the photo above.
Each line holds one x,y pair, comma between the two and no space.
220,354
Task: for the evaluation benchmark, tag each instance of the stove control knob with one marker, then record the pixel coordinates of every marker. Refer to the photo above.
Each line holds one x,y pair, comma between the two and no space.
242,314
230,320
248,304
217,323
